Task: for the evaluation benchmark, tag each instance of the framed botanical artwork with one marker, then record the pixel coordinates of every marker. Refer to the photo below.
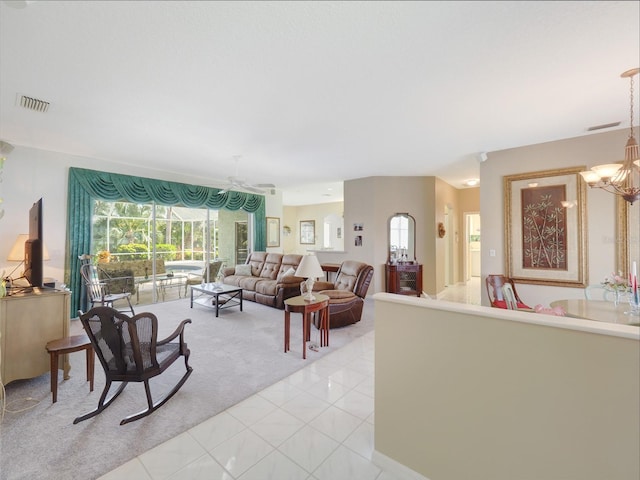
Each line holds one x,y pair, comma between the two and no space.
307,232
545,227
273,232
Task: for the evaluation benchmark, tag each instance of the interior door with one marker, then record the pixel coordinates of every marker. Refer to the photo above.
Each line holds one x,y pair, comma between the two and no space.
242,242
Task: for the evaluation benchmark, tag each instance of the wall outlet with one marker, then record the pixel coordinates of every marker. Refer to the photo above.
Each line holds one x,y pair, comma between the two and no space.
492,253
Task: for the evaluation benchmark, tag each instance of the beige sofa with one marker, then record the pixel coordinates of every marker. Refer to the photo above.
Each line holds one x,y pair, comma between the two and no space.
269,279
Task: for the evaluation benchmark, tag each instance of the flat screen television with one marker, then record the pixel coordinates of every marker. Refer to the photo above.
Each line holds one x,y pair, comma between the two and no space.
33,247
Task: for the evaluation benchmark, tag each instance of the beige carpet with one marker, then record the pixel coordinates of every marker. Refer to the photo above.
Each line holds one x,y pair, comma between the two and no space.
233,357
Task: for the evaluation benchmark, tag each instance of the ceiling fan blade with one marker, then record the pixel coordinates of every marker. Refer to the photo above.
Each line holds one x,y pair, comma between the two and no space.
237,183
253,189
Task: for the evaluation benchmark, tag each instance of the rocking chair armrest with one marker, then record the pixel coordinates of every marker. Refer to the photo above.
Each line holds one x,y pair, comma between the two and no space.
178,331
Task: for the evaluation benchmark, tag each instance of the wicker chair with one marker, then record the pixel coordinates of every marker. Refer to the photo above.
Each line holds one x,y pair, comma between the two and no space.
129,351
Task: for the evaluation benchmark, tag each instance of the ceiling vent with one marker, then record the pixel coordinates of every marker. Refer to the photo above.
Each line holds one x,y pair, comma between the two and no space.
34,104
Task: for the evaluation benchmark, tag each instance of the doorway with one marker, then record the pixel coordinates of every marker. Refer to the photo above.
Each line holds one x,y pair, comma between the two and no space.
241,242
472,245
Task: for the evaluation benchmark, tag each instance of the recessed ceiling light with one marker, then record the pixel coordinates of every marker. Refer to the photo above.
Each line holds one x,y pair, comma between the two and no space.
472,182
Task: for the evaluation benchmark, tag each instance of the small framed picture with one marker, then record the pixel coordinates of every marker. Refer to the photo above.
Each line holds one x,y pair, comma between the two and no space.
307,232
273,232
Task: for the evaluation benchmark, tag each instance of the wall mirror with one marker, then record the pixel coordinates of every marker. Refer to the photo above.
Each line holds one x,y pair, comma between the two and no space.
402,239
627,235
332,232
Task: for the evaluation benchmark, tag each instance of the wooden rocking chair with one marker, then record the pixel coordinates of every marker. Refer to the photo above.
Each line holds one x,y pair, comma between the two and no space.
129,351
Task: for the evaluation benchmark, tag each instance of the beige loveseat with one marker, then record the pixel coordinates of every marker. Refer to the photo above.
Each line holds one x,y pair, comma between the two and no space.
269,279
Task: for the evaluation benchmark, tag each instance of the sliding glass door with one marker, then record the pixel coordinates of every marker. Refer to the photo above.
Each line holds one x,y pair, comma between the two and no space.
165,248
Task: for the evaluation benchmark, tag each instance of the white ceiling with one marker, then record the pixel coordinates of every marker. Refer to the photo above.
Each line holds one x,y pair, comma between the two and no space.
312,93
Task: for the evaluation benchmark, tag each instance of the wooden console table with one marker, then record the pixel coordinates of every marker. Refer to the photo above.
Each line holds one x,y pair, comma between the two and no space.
28,321
306,308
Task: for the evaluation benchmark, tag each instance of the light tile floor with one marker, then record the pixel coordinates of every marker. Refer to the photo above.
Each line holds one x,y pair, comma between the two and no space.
316,424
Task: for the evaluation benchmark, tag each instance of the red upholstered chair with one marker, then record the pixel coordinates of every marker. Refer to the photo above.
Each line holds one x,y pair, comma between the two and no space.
494,291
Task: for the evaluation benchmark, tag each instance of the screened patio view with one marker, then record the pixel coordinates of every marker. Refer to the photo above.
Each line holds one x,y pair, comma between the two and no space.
161,250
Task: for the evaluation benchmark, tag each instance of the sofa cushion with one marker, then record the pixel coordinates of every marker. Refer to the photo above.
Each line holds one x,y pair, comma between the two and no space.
249,283
243,270
266,287
233,280
348,275
338,296
271,266
256,260
289,262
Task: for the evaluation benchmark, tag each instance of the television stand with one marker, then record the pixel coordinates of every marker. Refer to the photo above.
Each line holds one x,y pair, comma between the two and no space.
27,322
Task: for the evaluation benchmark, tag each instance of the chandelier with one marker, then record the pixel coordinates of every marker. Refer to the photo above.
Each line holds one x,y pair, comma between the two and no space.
623,178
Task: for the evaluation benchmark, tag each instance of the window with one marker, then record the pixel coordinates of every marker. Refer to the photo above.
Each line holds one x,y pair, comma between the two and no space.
183,238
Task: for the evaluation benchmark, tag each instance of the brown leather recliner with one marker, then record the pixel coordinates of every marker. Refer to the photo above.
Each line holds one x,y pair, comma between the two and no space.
346,294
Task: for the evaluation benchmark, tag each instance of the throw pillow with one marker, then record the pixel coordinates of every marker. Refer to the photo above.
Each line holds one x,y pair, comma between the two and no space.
243,269
289,272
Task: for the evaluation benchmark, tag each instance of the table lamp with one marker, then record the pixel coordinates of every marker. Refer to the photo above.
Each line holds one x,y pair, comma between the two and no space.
310,269
16,254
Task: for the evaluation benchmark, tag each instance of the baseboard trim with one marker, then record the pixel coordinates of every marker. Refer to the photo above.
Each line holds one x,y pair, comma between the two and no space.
401,471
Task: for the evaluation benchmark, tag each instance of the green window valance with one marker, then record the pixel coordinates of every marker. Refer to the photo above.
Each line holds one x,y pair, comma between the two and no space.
86,186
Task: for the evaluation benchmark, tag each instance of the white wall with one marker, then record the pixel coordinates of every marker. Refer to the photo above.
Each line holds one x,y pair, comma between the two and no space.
317,212
586,151
30,174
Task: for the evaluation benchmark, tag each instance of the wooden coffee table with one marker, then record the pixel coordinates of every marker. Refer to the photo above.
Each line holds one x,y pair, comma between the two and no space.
217,295
306,307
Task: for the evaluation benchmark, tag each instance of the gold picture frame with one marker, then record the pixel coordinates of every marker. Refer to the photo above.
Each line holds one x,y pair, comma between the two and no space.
307,232
546,228
273,232
627,234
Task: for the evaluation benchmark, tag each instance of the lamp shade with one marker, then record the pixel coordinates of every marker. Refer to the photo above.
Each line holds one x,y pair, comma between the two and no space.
16,254
607,170
309,267
17,251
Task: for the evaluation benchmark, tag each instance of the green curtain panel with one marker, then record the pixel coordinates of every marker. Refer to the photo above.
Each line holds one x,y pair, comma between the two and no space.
86,186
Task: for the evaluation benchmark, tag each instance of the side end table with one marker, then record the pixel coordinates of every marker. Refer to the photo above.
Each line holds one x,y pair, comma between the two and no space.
306,308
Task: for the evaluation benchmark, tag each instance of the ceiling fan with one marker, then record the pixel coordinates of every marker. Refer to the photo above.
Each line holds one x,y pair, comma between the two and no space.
236,183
